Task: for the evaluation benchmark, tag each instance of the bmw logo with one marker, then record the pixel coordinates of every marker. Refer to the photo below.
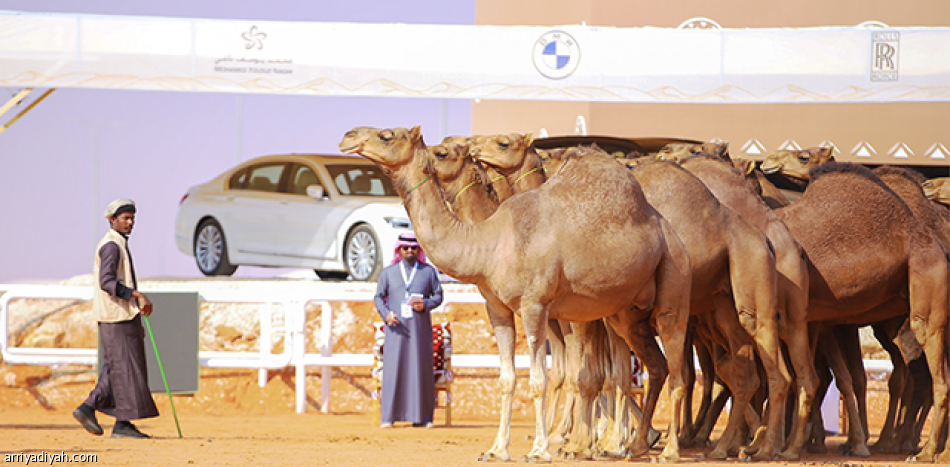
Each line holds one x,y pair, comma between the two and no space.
556,54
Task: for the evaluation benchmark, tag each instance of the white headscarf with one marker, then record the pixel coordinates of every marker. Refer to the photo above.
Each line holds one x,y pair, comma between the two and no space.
114,207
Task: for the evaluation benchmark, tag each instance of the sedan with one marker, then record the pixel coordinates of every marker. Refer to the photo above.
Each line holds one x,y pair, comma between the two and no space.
338,215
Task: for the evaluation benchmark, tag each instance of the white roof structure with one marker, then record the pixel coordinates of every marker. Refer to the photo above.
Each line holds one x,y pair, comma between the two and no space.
567,63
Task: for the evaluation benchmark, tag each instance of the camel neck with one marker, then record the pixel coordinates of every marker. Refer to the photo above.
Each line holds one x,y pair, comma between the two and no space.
471,203
529,176
457,248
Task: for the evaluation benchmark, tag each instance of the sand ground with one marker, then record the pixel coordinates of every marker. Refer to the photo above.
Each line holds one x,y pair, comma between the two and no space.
221,432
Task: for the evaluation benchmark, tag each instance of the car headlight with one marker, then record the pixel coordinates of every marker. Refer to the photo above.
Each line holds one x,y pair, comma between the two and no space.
399,222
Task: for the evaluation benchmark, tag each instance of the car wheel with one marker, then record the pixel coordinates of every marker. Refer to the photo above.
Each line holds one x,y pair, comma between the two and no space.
331,275
211,250
362,254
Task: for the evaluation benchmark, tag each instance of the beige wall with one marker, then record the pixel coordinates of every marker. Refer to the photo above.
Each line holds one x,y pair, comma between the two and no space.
917,125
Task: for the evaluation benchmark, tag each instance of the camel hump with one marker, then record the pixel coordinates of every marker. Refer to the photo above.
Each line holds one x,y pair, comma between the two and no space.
909,174
841,168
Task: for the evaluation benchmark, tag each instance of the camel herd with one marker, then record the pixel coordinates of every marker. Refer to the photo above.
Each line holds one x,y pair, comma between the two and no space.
680,252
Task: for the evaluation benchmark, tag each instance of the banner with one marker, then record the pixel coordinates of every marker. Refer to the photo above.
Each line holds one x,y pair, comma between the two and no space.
565,63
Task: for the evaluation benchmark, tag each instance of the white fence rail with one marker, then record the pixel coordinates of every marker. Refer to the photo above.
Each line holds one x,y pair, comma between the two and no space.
288,302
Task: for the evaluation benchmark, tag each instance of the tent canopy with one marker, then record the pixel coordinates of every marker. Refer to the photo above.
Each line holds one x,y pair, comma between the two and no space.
567,63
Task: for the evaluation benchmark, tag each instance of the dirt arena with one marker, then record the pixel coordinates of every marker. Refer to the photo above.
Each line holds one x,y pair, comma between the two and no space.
231,421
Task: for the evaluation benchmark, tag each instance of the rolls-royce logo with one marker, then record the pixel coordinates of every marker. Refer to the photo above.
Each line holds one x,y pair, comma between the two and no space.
885,55
254,38
556,54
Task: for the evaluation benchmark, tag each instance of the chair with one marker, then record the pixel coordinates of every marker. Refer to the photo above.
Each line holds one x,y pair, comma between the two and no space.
441,361
638,387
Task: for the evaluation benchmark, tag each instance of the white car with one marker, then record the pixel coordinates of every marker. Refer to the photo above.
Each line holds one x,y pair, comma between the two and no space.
336,214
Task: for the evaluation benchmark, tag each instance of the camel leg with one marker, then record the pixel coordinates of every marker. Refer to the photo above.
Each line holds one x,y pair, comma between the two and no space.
721,394
795,333
928,319
857,441
803,428
687,431
850,344
639,336
534,317
757,304
572,352
556,372
502,321
591,337
913,414
704,355
887,442
671,314
736,368
618,385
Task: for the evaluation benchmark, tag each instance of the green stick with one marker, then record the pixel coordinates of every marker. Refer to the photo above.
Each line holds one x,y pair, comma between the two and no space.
162,368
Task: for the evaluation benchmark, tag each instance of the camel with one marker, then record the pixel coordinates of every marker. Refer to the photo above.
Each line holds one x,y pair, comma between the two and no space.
938,189
718,267
935,218
870,259
728,186
533,267
612,374
473,194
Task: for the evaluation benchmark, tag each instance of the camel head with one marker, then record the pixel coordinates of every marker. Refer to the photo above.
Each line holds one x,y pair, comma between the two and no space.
718,149
938,189
796,163
447,161
745,166
552,159
679,151
504,152
390,148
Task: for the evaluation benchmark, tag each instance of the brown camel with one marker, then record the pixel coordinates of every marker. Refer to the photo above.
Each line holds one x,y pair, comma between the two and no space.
589,368
728,186
871,259
935,218
530,266
474,194
714,240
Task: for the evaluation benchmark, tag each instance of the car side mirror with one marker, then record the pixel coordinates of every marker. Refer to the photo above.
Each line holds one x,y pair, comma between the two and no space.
315,191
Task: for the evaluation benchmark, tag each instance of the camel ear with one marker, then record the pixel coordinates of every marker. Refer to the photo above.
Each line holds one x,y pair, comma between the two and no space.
826,152
415,133
747,166
528,139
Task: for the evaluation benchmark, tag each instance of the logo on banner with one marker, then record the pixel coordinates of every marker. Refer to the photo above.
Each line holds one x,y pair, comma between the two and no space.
885,59
252,59
254,38
556,54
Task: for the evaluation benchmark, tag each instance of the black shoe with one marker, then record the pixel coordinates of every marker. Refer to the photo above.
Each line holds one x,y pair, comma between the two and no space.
86,417
127,430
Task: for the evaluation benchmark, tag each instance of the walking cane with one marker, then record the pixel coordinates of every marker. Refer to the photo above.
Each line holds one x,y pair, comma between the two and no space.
162,369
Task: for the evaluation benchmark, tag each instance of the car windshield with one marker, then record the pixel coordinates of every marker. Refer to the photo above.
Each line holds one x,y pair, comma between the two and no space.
360,180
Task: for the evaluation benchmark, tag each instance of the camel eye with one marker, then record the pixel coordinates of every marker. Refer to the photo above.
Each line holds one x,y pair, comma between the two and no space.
441,155
386,136
803,159
503,145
